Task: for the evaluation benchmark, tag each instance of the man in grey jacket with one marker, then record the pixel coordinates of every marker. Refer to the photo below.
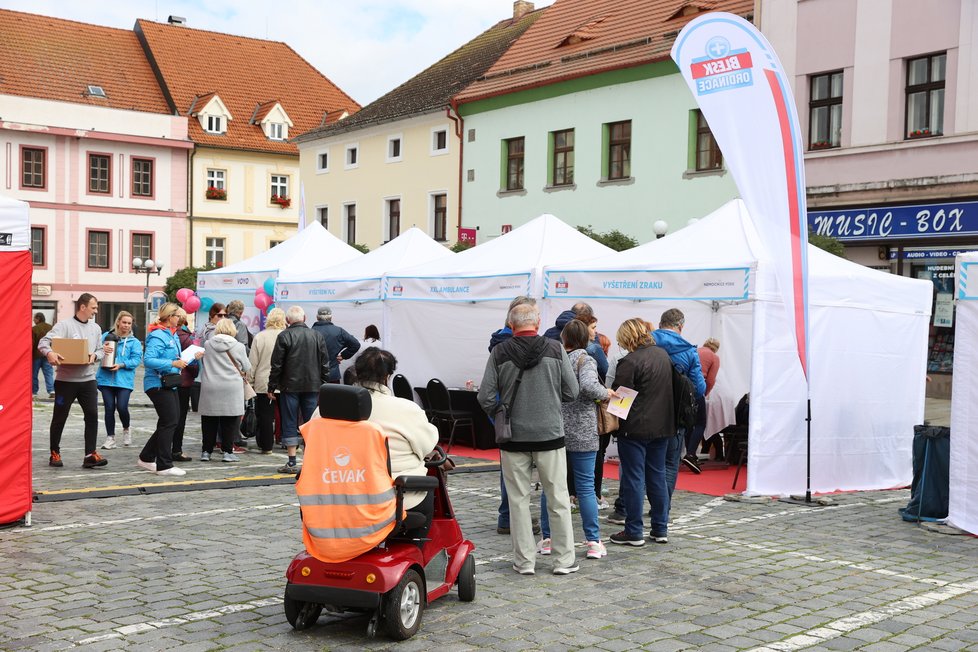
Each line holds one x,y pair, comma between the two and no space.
235,309
532,375
76,381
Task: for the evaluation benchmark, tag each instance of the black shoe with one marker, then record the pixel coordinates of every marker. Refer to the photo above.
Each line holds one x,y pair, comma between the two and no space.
180,457
691,463
617,518
502,530
623,539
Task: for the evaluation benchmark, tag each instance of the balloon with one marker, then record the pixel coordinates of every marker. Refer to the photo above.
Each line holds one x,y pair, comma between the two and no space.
269,286
183,293
192,303
206,303
270,307
262,300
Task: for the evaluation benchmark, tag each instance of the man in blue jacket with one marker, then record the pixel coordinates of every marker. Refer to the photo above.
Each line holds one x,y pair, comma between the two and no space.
686,361
340,345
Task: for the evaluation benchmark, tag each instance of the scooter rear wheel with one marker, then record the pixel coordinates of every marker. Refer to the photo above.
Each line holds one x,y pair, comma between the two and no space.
302,615
404,606
466,580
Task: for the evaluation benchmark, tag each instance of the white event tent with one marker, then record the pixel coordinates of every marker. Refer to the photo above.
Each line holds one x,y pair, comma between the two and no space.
963,501
353,290
309,249
440,315
868,341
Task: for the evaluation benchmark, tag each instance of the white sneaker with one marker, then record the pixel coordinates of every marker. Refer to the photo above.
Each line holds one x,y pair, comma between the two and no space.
109,443
603,504
149,466
231,457
172,471
596,550
543,548
126,437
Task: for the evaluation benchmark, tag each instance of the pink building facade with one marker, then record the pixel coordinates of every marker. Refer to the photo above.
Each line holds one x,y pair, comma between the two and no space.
887,93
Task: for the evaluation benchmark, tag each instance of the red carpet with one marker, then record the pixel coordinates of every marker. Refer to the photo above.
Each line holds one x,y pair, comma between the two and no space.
713,481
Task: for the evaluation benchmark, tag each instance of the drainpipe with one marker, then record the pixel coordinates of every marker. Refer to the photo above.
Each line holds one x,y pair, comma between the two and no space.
190,208
459,131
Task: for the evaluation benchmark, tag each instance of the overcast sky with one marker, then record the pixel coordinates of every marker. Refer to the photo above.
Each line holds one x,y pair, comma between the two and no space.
366,47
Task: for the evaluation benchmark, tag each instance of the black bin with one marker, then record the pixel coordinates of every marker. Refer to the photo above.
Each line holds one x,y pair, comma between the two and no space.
931,474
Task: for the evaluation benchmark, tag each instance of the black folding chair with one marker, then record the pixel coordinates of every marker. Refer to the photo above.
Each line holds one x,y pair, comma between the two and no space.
440,404
402,388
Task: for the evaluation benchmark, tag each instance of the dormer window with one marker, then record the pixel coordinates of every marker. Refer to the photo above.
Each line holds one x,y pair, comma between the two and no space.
215,124
96,91
276,131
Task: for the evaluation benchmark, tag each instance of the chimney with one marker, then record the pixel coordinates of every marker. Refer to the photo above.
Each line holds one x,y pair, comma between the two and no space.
176,20
521,8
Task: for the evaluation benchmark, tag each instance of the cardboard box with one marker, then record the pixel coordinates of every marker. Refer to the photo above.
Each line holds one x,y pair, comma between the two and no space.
73,351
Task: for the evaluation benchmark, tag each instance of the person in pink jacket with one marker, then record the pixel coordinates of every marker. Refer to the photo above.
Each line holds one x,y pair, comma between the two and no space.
710,363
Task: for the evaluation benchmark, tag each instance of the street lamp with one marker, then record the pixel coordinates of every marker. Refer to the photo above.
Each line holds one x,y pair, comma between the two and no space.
148,266
659,227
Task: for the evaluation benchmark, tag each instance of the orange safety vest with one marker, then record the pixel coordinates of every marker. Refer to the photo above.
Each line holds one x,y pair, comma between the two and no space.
345,490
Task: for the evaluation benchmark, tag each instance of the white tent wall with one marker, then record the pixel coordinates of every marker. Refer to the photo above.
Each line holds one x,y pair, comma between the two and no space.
963,501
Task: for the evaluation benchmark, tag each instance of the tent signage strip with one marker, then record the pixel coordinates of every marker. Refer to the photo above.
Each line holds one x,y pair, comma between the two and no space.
456,288
723,284
334,290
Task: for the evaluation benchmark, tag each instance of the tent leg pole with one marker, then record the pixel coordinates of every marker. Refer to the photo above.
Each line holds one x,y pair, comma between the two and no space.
808,478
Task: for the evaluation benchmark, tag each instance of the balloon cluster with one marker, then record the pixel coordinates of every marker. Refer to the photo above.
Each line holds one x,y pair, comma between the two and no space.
263,295
191,302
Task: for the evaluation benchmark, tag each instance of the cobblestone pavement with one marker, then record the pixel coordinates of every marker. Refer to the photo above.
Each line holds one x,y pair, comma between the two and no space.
203,570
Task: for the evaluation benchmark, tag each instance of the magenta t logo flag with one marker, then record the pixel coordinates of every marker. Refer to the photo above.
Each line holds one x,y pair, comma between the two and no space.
744,95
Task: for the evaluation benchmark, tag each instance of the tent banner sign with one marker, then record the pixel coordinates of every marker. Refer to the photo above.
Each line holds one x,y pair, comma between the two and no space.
456,288
364,289
244,282
729,284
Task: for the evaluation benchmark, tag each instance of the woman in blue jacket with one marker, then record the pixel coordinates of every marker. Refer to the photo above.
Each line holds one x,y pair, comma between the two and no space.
117,382
162,359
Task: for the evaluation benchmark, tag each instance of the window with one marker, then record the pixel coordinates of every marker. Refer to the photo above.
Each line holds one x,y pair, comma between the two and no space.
393,149
215,124
563,159
322,214
439,141
825,111
514,163
274,243
214,252
280,186
37,246
215,179
276,131
142,246
352,159
98,173
322,162
33,167
620,150
393,218
440,217
925,95
351,224
142,177
708,156
98,249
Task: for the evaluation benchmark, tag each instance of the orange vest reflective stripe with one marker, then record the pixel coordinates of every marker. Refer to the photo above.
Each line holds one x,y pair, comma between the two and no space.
345,489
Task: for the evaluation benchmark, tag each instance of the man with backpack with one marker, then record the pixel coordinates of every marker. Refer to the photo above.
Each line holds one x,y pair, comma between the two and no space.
686,361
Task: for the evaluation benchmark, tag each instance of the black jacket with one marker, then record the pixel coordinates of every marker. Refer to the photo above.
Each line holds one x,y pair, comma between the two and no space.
299,361
647,370
336,340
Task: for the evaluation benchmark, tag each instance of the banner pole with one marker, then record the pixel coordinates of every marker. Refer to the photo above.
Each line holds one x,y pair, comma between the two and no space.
808,455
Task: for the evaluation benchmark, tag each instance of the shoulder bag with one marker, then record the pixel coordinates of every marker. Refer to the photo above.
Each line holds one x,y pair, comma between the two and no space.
502,416
249,391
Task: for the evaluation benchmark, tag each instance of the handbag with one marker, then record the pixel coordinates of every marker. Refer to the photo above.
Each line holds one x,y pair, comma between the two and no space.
170,381
249,422
249,391
503,414
607,423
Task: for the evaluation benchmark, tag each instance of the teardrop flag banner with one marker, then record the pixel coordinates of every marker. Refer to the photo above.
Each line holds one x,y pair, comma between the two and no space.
744,94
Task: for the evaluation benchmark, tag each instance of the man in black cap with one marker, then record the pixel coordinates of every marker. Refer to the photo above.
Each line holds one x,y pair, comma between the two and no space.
340,345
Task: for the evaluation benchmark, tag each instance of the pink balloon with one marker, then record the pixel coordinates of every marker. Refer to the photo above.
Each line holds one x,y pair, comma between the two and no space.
191,303
183,293
262,300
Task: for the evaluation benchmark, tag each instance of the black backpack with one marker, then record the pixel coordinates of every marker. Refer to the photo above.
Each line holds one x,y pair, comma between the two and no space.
684,400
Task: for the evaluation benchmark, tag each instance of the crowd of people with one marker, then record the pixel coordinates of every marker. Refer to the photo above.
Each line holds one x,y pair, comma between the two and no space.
550,387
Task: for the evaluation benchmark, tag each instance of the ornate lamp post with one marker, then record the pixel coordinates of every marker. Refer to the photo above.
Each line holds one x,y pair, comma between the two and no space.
148,266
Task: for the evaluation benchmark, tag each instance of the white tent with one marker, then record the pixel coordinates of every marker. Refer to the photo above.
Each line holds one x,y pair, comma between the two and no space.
309,249
868,347
963,504
440,315
353,289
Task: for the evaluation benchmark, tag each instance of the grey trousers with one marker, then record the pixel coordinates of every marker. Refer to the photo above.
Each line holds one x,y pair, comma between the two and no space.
552,468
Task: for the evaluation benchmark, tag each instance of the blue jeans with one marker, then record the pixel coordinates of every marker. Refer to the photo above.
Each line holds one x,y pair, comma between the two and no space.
695,434
115,398
643,468
674,454
582,468
43,365
292,405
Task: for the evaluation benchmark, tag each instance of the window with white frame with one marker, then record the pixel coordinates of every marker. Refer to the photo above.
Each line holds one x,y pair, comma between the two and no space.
322,214
439,141
215,124
394,148
351,224
322,162
98,249
439,208
276,131
214,252
280,186
393,207
352,158
38,234
215,179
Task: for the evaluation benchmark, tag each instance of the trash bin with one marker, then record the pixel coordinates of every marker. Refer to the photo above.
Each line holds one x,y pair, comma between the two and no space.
931,479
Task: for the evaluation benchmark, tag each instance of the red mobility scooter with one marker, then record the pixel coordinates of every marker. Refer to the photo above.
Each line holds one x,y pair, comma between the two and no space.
379,568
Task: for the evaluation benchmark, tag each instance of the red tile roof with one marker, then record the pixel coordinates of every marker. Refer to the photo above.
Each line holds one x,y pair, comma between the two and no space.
243,72
576,38
55,59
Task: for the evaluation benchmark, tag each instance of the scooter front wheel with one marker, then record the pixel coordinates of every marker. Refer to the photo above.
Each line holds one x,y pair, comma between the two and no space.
404,606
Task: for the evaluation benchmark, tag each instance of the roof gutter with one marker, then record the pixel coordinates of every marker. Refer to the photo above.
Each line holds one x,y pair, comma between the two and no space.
459,131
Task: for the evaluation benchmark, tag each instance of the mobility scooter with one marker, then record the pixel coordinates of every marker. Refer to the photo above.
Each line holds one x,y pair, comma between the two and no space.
360,552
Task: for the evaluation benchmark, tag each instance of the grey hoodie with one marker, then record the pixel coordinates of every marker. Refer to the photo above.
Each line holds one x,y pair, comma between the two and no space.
73,329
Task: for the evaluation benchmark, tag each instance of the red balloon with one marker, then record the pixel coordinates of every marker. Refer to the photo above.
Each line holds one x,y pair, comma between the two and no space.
262,300
183,293
191,303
